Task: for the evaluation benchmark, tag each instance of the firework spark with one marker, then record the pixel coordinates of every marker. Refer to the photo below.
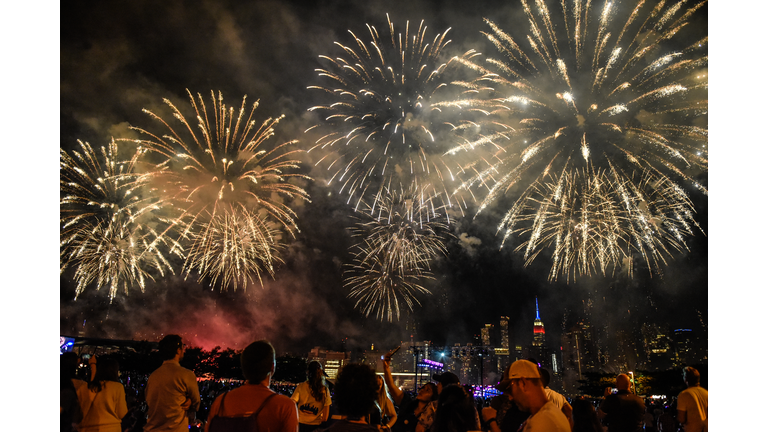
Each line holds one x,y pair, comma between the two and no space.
378,122
109,227
235,244
231,185
579,119
401,236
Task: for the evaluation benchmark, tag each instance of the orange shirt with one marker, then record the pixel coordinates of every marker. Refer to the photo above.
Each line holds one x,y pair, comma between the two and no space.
280,414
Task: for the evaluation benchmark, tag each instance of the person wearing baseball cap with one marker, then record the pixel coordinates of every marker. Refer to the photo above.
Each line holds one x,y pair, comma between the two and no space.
528,394
503,414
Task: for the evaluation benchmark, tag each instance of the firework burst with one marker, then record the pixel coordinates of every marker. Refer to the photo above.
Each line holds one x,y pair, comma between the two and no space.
377,125
401,236
109,225
235,245
592,123
230,185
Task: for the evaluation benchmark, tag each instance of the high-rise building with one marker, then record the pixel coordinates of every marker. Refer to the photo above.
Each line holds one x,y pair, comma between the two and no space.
656,343
683,342
625,351
332,361
518,353
538,349
485,335
538,328
578,355
502,352
504,328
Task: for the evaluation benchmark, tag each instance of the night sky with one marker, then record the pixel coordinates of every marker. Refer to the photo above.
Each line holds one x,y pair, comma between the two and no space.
118,57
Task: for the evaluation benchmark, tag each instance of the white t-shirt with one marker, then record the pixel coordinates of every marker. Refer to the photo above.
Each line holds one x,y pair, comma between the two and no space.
310,409
548,419
555,397
693,401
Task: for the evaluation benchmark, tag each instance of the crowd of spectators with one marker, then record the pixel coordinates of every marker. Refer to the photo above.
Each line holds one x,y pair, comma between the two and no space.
129,399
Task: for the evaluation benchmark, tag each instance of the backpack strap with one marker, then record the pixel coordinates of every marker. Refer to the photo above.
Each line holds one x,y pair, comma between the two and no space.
221,405
263,404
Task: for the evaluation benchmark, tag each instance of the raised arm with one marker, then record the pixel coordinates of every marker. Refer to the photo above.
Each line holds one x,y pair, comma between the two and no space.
489,417
394,391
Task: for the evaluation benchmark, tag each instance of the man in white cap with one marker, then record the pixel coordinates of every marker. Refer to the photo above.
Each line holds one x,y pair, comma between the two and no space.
528,394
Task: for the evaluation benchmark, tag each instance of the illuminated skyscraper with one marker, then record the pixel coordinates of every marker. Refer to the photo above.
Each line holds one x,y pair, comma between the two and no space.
485,334
538,349
538,328
504,327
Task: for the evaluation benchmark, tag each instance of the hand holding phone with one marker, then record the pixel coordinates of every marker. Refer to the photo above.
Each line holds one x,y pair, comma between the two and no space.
388,356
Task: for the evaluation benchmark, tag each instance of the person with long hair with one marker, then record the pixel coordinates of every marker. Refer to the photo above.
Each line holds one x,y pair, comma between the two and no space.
456,411
412,413
585,416
312,398
384,415
106,407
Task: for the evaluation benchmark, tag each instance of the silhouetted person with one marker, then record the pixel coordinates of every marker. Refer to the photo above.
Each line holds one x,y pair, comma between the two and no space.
69,407
255,405
622,411
354,397
456,411
171,390
585,417
692,405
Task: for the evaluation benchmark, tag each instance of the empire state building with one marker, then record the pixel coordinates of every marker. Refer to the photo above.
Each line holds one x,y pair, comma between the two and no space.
538,328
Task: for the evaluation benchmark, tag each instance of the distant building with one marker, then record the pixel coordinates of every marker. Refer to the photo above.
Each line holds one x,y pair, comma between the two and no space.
572,354
485,334
474,364
504,330
332,361
683,341
626,351
502,352
657,345
538,349
517,354
538,329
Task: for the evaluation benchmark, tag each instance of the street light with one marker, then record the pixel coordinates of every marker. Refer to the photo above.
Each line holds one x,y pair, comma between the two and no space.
632,377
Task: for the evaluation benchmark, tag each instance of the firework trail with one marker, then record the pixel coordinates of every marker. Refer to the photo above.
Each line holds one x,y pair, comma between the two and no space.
401,235
378,125
230,184
110,231
235,244
592,119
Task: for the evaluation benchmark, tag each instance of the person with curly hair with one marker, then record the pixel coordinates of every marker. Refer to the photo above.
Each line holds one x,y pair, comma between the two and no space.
354,397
